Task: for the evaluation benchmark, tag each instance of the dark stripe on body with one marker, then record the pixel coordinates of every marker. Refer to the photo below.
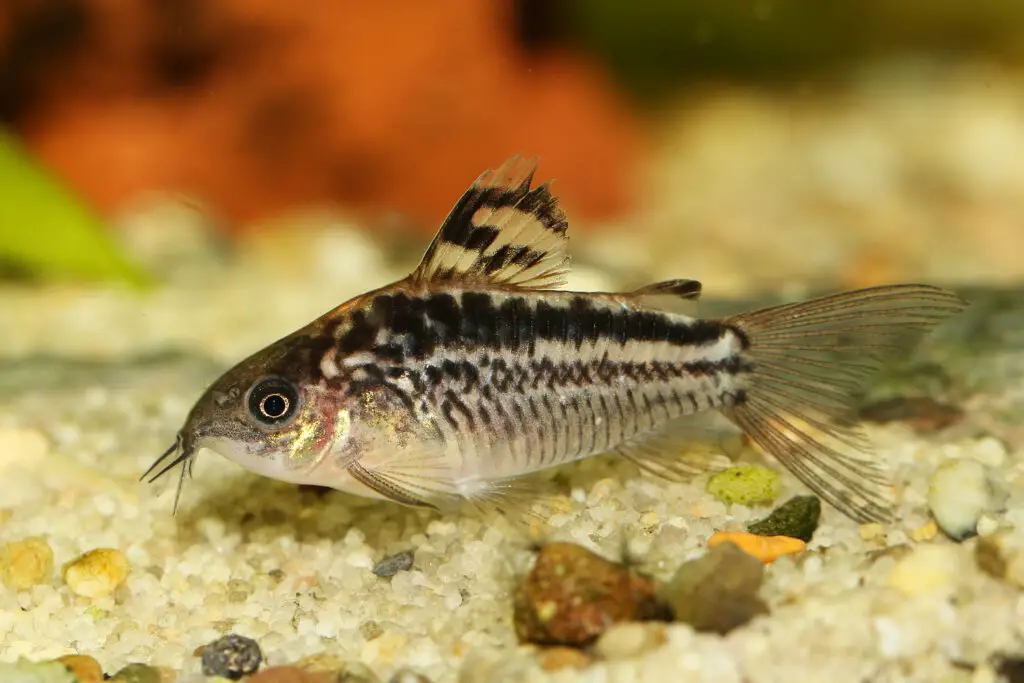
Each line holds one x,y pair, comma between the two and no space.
416,327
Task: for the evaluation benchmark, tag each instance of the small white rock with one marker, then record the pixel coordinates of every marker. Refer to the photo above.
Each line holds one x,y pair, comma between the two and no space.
622,641
987,525
929,569
989,451
22,447
959,493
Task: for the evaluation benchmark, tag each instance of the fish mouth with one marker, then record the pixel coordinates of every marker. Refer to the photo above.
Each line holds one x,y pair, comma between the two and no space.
181,452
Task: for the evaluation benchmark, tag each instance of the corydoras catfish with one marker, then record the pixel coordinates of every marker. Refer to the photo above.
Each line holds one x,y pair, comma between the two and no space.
454,382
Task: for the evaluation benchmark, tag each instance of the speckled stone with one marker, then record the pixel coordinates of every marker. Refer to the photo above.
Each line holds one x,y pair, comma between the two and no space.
393,564
232,657
572,595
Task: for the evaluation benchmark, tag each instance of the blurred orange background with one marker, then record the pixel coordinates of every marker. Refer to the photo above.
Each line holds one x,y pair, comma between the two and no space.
256,106
881,139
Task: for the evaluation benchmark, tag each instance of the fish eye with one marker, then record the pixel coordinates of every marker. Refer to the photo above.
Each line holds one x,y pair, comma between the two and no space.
273,401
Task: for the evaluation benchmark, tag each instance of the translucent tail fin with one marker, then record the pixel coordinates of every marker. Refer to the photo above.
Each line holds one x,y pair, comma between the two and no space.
809,360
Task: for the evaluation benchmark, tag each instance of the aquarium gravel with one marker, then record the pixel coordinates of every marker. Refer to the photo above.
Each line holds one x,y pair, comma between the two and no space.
95,382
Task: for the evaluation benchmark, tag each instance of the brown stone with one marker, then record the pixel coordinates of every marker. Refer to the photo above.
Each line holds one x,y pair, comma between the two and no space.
572,595
291,674
718,591
923,413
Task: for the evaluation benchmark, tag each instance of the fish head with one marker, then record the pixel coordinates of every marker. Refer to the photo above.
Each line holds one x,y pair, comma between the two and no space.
272,413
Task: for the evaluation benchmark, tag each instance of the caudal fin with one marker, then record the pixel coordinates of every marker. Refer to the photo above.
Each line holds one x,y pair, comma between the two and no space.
809,360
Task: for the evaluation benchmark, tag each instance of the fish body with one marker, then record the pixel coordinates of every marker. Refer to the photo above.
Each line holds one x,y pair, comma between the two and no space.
475,370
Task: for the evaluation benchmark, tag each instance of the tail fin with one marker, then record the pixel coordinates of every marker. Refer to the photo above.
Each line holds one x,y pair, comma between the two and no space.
809,359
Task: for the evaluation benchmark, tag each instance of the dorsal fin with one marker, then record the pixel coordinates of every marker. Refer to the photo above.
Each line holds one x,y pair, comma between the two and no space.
501,232
673,296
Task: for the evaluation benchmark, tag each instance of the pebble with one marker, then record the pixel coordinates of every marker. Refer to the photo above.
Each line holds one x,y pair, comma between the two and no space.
623,641
572,595
1009,668
1001,556
928,569
923,413
25,563
390,566
960,491
355,672
292,674
718,591
87,669
138,673
989,451
96,573
322,661
745,485
872,531
411,676
925,532
23,447
798,517
561,657
232,657
25,671
767,549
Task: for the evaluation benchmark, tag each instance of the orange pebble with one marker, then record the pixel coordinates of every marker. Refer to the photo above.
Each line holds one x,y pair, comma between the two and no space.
765,548
85,668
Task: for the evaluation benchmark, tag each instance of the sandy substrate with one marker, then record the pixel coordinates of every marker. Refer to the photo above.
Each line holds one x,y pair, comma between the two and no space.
96,382
291,568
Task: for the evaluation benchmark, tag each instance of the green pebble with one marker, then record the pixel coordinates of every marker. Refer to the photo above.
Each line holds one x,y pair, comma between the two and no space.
25,671
136,673
745,485
797,518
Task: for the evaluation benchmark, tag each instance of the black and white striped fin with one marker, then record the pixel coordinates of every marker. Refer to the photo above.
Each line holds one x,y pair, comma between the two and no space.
501,232
810,360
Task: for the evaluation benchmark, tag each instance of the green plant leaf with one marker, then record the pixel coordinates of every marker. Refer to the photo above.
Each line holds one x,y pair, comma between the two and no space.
47,232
